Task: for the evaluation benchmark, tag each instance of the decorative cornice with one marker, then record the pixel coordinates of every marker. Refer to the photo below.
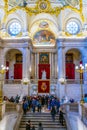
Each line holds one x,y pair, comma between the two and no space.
17,40
73,39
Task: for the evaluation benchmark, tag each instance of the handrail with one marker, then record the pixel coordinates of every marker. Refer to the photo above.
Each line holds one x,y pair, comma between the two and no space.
13,107
71,107
75,107
9,107
84,113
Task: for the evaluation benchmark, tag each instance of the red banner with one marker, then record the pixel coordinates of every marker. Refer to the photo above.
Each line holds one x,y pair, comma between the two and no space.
43,86
46,68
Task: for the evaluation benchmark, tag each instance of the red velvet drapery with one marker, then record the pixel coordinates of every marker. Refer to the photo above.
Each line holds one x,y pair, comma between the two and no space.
70,71
43,86
17,71
42,67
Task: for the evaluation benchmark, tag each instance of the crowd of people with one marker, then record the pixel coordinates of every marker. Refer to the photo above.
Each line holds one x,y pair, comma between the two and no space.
12,99
37,103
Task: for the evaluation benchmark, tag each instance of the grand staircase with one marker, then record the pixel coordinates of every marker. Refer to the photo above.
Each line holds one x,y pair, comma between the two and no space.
45,118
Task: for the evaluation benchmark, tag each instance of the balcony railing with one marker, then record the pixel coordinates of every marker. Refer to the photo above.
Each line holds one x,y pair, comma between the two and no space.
52,81
74,81
32,81
14,81
72,107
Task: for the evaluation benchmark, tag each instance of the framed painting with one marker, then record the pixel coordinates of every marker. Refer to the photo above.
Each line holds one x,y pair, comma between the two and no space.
18,58
44,58
69,58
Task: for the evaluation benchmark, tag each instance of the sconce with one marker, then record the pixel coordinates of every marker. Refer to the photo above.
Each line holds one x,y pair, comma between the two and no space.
62,80
25,81
3,69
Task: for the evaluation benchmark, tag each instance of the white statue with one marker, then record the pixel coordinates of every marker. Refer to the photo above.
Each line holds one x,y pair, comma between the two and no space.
43,74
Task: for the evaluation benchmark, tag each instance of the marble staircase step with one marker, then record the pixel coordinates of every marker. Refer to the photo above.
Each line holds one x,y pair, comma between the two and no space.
45,118
47,129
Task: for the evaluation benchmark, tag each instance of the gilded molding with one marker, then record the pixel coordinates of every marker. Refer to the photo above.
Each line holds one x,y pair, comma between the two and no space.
40,7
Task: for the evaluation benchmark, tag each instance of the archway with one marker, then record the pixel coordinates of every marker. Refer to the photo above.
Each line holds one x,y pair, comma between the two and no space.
73,57
14,62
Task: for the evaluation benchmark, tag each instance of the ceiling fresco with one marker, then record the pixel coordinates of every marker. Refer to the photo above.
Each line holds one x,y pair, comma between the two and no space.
44,38
34,7
27,2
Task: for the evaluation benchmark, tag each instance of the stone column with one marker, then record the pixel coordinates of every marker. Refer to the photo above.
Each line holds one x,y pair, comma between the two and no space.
60,61
50,65
29,62
56,66
84,59
64,63
26,63
2,58
35,65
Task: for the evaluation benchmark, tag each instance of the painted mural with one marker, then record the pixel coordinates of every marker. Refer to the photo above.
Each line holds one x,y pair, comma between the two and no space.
44,37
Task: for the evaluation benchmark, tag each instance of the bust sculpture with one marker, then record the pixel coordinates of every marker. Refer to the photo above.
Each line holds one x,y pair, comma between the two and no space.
43,74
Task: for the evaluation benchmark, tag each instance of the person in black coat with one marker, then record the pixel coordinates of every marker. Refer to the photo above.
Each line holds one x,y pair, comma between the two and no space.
33,127
61,117
53,113
25,106
40,127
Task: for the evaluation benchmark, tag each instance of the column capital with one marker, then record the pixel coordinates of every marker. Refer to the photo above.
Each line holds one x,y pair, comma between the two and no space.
60,43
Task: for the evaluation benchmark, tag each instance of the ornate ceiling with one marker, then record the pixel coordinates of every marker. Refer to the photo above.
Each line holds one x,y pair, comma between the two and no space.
44,3
60,2
33,7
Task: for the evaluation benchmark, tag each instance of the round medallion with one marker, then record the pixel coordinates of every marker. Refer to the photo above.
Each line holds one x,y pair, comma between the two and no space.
43,5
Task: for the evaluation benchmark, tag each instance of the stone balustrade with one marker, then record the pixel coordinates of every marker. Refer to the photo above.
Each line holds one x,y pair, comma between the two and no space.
75,116
35,81
9,107
84,113
71,107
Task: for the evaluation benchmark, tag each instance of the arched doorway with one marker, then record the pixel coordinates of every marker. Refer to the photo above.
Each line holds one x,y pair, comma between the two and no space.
73,57
14,62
